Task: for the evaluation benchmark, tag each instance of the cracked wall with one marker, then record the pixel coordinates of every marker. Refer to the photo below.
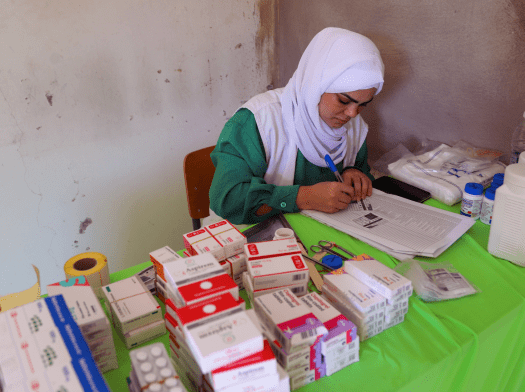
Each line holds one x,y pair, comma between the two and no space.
99,103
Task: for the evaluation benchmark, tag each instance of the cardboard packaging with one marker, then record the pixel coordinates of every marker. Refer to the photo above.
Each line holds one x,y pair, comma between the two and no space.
46,349
197,278
366,300
217,331
132,305
340,330
294,326
163,256
378,276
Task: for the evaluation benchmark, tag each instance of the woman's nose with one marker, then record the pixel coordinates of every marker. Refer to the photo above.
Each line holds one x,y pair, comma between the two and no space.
352,110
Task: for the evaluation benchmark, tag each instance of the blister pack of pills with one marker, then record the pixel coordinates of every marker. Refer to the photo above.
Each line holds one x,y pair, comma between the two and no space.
152,370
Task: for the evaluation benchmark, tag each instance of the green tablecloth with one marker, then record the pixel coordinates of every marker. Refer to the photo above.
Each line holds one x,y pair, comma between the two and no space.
475,343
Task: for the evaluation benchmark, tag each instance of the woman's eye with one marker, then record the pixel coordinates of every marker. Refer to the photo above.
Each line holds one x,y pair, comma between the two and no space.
364,104
343,102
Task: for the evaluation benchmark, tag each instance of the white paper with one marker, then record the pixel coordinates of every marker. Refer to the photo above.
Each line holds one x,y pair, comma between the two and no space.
400,227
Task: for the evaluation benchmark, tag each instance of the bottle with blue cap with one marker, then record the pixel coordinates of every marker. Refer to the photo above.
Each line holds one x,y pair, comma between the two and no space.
488,205
472,199
497,180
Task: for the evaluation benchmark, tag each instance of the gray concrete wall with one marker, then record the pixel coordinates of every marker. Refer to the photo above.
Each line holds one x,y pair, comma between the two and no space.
454,70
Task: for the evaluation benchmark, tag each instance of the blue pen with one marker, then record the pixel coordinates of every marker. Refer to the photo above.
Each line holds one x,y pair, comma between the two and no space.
332,167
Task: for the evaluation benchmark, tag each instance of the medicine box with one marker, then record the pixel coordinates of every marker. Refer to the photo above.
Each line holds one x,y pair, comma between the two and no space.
278,271
84,306
221,239
298,289
196,278
276,248
365,299
340,329
163,256
367,325
217,333
293,324
46,349
255,366
132,304
143,334
378,276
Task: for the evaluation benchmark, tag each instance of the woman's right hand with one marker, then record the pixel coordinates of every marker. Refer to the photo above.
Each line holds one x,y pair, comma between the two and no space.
327,197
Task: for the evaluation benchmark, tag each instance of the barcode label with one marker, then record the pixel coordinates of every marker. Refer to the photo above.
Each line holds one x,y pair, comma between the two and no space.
309,334
297,290
299,277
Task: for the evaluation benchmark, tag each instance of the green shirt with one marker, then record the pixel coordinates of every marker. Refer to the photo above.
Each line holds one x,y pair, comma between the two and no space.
238,188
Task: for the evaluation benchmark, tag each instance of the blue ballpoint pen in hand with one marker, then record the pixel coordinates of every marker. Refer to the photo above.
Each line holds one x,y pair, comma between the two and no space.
332,167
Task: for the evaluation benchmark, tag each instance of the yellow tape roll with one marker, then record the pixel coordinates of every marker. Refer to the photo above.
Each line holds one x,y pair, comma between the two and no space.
93,265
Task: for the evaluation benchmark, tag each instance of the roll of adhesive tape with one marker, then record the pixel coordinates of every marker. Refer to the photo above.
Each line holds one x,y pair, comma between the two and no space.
282,233
92,265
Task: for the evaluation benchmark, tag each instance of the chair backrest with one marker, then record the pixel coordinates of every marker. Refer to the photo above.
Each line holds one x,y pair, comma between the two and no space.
198,174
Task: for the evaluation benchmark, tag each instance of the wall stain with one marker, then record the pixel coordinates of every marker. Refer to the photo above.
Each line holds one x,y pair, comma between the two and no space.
265,38
159,71
179,70
167,81
38,128
238,46
84,225
49,98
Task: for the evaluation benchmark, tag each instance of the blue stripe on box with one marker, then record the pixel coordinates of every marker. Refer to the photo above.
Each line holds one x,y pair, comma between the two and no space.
81,359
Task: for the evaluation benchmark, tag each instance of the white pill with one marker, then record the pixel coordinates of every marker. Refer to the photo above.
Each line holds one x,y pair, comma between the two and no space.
161,362
142,356
146,367
155,388
150,377
156,351
166,372
171,382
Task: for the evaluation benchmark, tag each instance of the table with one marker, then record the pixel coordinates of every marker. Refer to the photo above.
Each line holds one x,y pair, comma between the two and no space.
475,343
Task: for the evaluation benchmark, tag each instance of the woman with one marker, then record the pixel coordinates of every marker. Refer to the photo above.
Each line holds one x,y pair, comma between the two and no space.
270,155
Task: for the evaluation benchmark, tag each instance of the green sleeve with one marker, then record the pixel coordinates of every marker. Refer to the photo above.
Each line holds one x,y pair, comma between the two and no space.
361,162
238,188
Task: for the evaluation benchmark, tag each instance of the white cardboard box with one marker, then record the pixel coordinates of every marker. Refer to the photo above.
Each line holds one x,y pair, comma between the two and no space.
281,271
255,366
84,306
217,331
355,292
340,329
163,256
293,324
196,278
378,276
132,304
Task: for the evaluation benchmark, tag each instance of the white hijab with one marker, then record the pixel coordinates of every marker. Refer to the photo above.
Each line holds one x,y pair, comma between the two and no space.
335,61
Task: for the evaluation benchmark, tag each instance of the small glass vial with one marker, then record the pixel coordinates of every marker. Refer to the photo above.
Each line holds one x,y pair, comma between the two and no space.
472,198
487,205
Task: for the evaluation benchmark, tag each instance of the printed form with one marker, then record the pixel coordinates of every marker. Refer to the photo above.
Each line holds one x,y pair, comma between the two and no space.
400,227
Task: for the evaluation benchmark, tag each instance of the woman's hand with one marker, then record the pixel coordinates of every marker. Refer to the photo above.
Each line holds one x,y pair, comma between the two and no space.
359,181
325,196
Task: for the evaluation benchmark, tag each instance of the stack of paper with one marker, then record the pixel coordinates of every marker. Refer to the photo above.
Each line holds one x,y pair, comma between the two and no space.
399,227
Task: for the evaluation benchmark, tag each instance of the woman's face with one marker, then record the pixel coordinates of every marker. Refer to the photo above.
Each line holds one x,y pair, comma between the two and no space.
336,109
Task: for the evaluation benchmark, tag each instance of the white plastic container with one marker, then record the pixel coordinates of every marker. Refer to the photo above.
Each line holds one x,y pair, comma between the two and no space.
488,205
471,201
507,232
